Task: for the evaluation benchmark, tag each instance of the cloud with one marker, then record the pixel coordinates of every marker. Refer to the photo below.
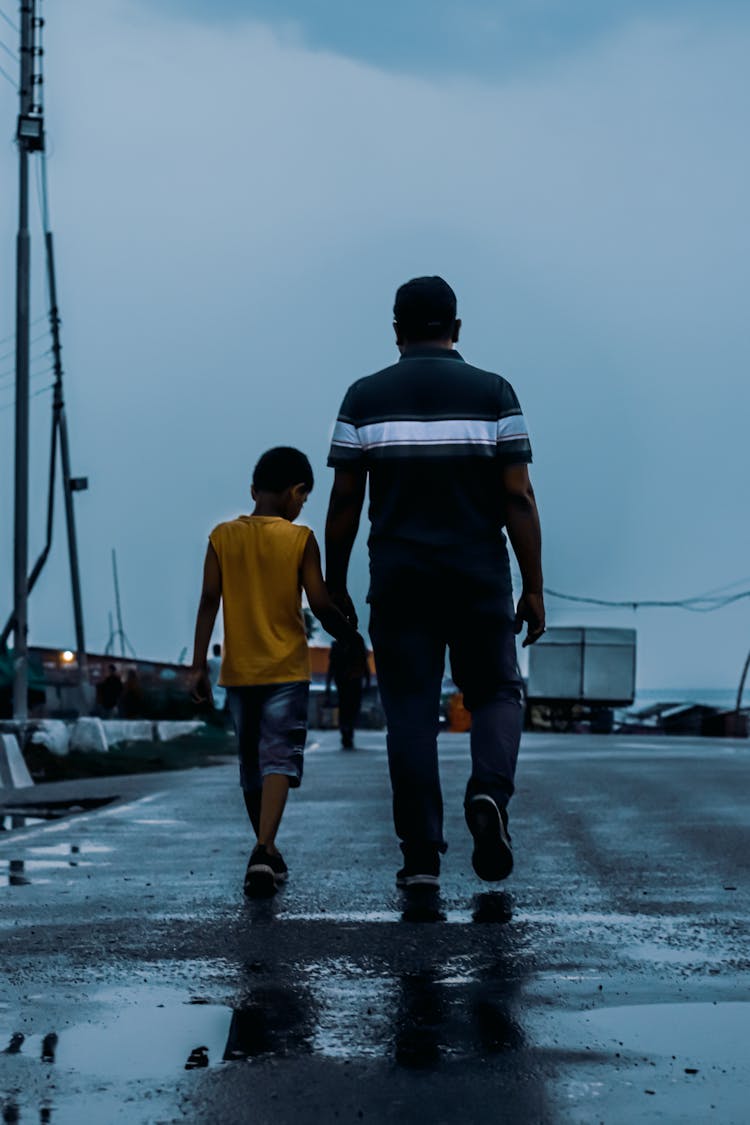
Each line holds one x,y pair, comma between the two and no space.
483,38
233,213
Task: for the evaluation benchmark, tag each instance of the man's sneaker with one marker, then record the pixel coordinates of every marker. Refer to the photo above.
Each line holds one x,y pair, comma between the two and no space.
421,868
493,855
264,873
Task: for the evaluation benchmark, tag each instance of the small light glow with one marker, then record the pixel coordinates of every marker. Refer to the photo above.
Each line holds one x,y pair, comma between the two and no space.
67,657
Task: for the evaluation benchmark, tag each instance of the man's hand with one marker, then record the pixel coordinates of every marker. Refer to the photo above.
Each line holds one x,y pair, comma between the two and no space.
200,691
342,601
354,661
530,609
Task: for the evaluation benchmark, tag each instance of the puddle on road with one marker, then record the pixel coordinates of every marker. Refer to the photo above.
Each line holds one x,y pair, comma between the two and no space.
45,858
28,815
135,1041
334,1009
12,821
698,1034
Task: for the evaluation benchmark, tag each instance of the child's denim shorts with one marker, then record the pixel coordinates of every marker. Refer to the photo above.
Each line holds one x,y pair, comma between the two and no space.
271,725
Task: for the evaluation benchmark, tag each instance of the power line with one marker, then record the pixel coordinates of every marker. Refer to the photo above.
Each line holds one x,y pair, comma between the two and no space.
34,375
9,372
9,50
12,352
5,74
700,604
12,335
36,394
8,20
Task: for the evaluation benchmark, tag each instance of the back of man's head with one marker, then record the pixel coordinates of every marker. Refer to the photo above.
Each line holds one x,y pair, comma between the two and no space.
425,309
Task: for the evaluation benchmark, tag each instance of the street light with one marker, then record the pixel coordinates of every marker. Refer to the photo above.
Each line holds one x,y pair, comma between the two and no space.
30,132
67,657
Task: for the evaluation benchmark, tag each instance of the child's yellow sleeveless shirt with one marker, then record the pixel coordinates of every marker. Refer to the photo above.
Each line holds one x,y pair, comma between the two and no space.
264,630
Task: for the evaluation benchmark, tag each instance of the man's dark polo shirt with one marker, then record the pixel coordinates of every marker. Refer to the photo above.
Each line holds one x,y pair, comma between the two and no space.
434,434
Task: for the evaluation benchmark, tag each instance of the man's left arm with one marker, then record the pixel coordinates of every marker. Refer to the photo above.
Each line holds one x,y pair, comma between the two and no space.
524,532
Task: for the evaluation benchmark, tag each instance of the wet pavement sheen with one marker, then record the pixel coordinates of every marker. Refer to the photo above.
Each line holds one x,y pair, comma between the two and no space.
606,981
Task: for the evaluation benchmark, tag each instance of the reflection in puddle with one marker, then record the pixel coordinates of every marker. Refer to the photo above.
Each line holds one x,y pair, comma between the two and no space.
273,1021
422,904
135,1041
336,1008
419,1021
12,873
29,815
493,907
17,872
12,1114
9,823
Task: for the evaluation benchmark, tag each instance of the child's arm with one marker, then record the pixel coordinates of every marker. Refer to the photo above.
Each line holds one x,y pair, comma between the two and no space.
208,607
321,603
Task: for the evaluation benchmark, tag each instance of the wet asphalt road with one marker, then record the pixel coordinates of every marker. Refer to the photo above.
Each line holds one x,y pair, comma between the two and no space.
607,981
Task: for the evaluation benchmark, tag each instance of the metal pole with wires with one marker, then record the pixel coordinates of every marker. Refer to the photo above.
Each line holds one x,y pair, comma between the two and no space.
70,484
30,138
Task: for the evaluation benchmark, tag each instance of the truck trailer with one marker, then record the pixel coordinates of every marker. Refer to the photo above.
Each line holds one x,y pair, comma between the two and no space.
580,674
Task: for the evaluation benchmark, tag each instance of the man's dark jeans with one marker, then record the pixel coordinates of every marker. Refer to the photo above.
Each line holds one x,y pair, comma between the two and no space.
424,600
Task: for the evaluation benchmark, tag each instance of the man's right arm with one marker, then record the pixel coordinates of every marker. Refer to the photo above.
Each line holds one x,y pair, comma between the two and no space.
342,524
525,534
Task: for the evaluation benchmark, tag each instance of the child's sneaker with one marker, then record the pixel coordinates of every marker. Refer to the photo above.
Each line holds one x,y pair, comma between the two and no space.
264,872
493,855
421,867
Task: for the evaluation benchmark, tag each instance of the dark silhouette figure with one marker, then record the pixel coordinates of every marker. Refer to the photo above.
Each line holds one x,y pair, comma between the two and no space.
109,691
349,670
131,700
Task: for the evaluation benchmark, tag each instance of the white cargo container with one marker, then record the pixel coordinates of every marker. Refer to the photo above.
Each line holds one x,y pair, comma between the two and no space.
593,667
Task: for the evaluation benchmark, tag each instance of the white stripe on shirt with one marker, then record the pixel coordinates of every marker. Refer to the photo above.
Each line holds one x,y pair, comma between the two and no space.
462,431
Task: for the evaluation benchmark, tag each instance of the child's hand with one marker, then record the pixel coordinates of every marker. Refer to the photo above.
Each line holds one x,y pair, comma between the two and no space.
200,691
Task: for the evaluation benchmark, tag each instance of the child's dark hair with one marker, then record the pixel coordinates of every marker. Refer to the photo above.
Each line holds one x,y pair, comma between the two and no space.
280,468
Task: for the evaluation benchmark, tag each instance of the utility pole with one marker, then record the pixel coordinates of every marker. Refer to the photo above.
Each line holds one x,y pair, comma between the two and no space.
70,485
118,609
30,138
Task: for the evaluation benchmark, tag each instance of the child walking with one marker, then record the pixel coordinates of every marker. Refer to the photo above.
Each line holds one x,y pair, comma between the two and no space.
257,566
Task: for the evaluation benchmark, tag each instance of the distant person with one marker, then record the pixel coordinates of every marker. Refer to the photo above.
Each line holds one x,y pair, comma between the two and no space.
109,691
446,450
218,693
256,566
349,670
131,701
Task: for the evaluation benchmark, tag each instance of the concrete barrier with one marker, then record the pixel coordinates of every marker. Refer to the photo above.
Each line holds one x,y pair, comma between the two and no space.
14,773
89,736
166,731
53,735
128,730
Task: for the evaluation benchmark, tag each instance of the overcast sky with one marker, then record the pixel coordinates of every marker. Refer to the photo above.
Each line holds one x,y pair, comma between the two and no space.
238,188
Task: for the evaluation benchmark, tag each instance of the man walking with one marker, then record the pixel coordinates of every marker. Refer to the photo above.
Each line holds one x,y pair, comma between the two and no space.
446,450
350,672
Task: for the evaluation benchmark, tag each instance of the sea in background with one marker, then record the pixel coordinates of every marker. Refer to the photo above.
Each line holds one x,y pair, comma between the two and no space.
722,698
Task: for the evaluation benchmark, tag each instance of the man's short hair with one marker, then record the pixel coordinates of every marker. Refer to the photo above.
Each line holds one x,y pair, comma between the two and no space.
425,309
280,468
